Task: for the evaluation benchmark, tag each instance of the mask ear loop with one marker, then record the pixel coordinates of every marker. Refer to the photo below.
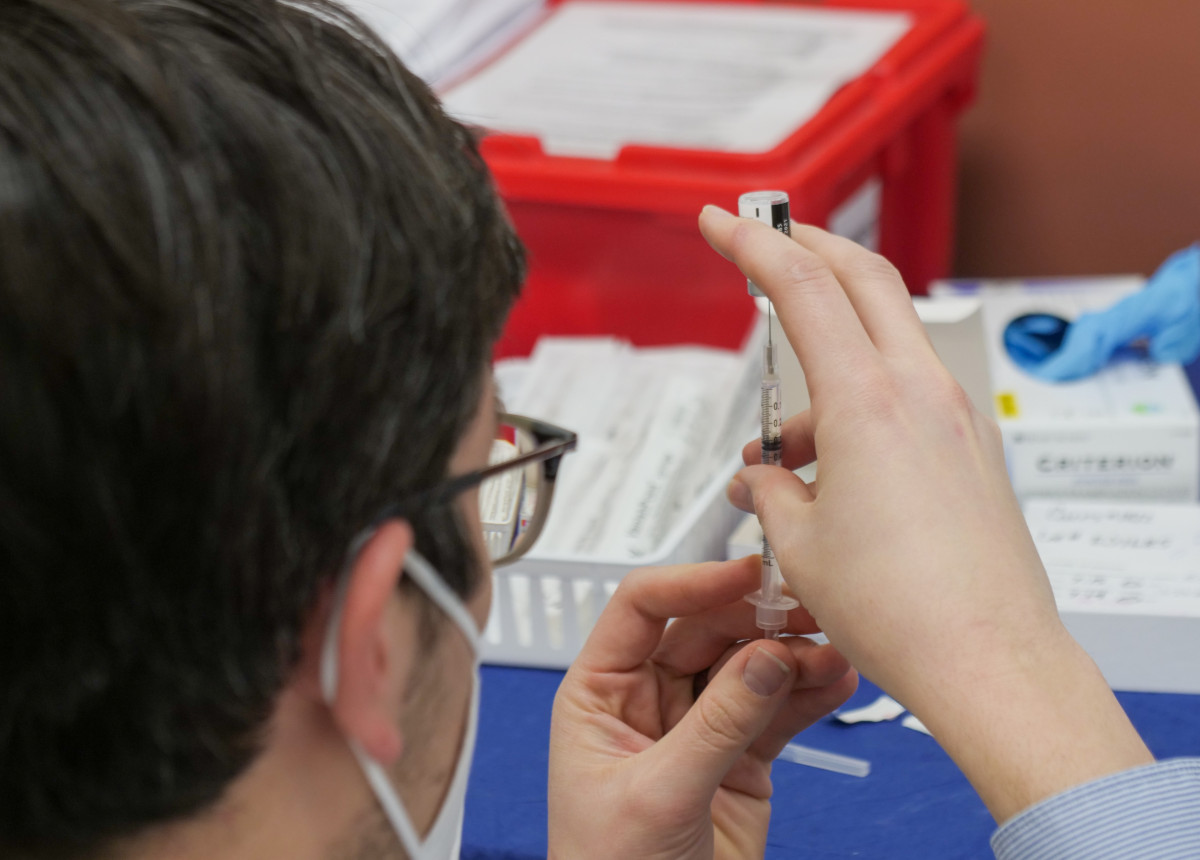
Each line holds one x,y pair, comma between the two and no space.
441,594
431,583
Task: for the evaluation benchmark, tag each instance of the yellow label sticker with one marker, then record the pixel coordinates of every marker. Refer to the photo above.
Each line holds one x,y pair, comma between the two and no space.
1006,404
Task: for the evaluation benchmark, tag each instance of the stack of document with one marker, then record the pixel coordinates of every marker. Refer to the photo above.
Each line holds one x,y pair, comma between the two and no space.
588,78
655,426
442,39
595,76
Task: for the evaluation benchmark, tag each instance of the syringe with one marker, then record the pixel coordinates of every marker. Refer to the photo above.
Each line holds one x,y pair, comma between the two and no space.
771,604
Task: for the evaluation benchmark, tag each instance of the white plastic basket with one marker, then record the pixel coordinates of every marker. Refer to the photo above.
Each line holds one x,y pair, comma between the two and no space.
544,607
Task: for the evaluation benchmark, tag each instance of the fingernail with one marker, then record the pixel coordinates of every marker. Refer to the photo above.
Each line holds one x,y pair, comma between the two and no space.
715,211
764,673
739,496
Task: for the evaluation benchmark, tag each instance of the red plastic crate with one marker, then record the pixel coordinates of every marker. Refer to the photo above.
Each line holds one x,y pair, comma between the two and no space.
613,244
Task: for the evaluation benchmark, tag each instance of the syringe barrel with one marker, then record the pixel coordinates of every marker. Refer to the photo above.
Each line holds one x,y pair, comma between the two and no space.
770,207
770,612
771,406
771,582
771,605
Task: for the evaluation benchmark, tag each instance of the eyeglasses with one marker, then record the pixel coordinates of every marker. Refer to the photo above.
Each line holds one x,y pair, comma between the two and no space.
515,488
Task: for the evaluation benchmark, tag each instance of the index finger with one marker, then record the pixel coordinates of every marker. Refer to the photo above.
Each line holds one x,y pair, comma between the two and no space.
874,288
631,626
820,321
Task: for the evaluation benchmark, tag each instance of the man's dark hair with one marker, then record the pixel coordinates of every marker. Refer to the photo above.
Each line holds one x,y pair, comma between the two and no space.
250,276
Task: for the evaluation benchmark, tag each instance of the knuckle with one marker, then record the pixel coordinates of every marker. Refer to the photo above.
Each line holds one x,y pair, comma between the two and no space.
723,723
989,430
806,272
636,578
632,586
936,390
741,237
952,401
868,266
953,398
878,397
775,498
763,508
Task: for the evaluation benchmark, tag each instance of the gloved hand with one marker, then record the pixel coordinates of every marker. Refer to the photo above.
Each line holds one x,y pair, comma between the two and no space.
1167,312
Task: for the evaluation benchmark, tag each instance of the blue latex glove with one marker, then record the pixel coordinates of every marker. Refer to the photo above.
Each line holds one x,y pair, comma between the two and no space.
1166,312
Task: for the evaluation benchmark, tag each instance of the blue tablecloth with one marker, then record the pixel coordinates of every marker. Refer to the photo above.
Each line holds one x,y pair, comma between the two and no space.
915,803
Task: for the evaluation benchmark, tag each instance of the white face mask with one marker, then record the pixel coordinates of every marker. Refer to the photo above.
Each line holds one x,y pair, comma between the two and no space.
444,840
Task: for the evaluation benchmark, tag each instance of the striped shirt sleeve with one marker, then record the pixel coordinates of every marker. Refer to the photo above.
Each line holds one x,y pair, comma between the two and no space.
1147,812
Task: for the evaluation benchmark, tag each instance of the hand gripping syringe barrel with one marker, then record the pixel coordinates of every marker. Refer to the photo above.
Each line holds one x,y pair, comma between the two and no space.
771,604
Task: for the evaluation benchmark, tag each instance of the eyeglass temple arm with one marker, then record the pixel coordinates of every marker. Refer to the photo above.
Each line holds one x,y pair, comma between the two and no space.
550,457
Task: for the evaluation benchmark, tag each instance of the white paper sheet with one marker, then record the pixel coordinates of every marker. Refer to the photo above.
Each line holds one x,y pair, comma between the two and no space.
1120,558
881,710
596,76
911,722
440,39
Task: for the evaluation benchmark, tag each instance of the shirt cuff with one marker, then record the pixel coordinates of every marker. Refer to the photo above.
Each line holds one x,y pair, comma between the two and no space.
1147,812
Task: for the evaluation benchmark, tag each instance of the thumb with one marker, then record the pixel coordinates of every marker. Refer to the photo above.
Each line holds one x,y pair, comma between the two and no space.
733,711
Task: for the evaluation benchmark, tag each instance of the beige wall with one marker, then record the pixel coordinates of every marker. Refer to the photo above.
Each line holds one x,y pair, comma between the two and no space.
1082,153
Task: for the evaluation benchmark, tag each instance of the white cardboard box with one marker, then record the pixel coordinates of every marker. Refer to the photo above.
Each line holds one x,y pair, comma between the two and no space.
1126,577
1132,431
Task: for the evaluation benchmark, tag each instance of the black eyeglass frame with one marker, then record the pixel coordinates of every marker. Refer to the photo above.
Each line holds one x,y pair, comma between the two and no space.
553,443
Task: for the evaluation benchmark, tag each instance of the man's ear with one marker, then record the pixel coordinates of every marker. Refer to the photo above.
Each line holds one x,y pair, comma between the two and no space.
375,649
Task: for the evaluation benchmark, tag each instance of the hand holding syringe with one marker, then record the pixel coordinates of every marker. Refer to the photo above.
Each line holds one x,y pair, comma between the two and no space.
772,605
